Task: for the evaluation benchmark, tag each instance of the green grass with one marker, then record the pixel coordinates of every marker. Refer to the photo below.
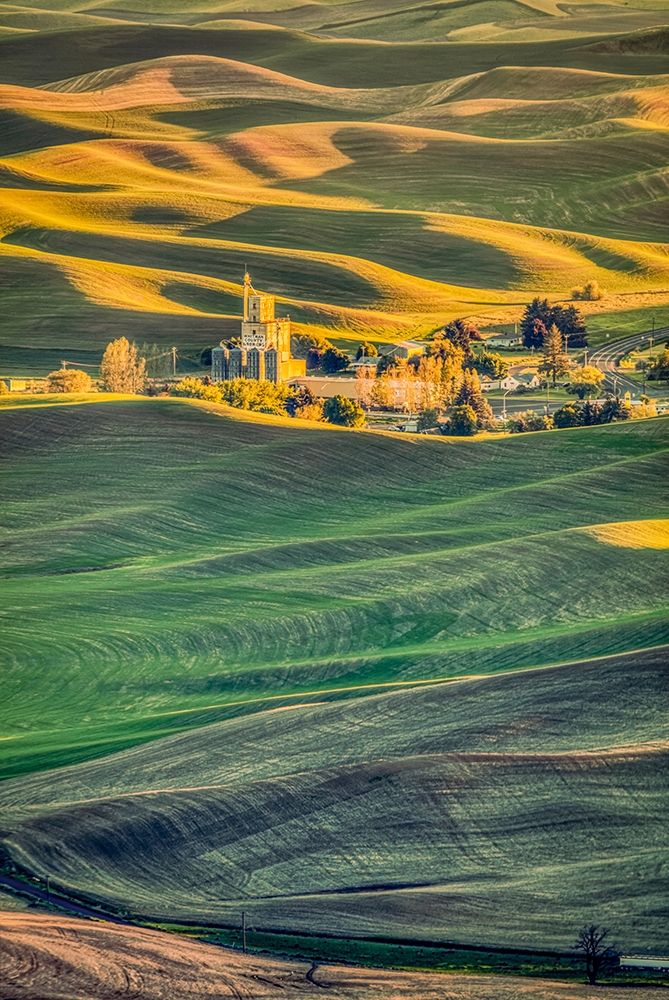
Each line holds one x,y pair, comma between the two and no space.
496,812
382,954
210,562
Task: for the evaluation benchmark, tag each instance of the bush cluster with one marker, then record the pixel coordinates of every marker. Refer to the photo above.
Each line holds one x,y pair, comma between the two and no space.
580,414
262,396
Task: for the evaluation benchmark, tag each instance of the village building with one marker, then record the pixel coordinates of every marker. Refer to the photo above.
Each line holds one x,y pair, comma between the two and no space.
264,350
504,340
520,381
405,349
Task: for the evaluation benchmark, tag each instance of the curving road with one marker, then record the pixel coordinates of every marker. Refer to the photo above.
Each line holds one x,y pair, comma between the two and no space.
607,357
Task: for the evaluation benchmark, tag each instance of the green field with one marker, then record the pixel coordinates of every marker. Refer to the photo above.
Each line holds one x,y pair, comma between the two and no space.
380,167
304,590
396,690
169,562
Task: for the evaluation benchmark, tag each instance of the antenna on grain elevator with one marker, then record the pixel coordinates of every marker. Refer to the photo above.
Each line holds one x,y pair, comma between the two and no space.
247,289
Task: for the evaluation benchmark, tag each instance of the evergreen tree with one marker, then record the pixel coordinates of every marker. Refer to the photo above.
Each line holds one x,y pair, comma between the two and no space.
334,360
537,312
462,421
571,324
460,333
539,316
614,409
569,415
555,361
121,368
471,394
658,369
591,413
298,397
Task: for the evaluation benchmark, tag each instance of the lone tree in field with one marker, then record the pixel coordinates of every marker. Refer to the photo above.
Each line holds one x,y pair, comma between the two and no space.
600,956
555,361
69,380
121,368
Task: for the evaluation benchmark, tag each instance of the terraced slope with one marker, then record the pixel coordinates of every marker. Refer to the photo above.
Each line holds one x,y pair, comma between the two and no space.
503,811
36,955
215,560
380,167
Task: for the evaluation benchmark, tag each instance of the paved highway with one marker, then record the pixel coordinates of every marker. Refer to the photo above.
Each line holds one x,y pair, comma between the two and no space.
22,888
608,356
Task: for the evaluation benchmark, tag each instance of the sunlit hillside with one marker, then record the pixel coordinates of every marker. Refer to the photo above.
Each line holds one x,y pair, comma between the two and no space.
380,166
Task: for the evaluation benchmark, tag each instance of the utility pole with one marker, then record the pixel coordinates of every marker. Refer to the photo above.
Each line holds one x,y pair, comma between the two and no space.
504,404
174,360
244,931
48,890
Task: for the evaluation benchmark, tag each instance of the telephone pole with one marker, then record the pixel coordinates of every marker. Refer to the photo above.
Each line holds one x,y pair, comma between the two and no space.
244,931
174,360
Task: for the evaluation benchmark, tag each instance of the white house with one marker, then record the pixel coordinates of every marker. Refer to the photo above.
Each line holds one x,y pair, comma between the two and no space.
504,340
509,383
521,380
528,380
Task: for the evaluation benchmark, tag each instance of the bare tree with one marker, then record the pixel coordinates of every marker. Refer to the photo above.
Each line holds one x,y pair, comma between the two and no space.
600,955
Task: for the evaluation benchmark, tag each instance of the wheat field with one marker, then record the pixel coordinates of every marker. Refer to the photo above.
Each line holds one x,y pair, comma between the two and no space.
381,168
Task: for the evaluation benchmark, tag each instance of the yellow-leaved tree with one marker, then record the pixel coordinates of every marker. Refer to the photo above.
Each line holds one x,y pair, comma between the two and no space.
121,368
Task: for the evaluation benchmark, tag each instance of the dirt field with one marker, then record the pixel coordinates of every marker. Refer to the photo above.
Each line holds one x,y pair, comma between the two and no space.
53,957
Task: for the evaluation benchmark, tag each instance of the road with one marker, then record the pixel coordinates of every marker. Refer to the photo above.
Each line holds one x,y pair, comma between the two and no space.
35,892
608,356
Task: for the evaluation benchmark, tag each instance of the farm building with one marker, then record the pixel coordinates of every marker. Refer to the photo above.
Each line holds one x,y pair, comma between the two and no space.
521,380
405,349
504,340
264,352
22,384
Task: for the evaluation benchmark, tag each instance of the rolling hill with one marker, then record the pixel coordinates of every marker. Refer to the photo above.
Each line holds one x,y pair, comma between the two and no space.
368,686
501,811
380,167
214,560
341,632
